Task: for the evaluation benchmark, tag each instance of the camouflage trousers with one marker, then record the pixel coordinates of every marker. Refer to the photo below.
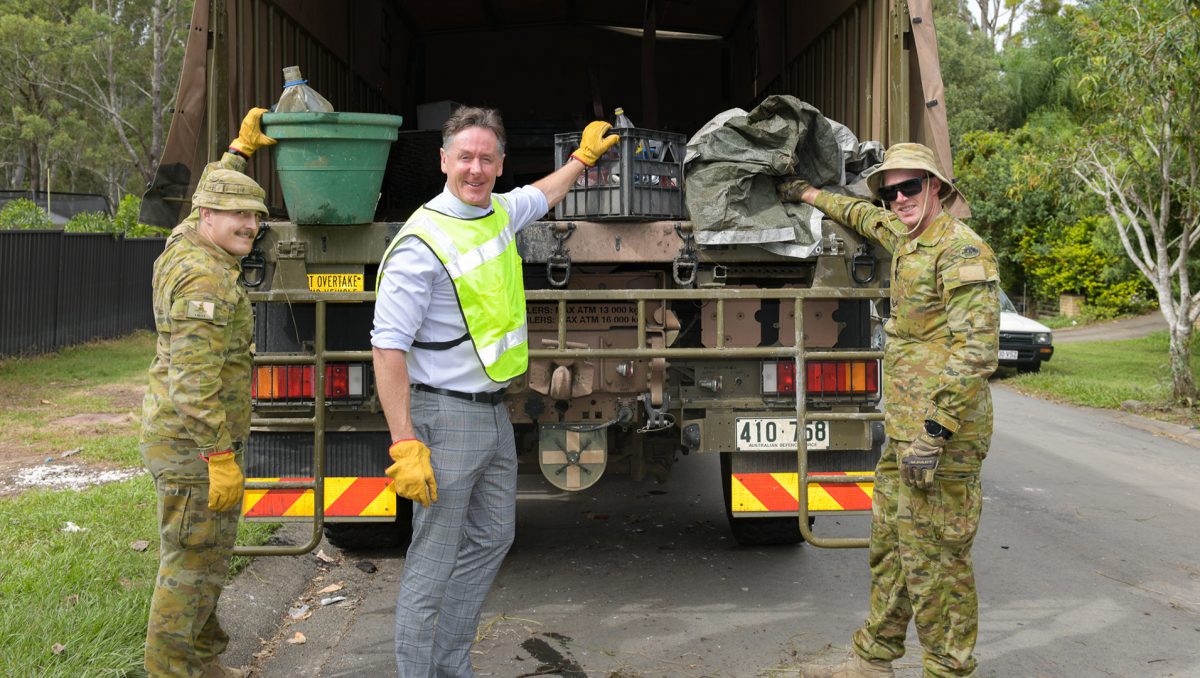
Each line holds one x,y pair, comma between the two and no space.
920,556
183,631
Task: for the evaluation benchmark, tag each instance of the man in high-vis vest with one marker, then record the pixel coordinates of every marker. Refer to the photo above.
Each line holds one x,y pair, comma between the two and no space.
449,335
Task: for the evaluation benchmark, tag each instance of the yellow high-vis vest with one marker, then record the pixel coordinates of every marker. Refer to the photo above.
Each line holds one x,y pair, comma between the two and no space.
481,257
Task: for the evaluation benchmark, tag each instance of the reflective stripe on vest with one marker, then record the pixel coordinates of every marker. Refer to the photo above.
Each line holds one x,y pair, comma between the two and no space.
481,258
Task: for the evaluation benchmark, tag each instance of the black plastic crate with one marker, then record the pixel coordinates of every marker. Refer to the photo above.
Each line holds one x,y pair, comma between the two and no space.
643,179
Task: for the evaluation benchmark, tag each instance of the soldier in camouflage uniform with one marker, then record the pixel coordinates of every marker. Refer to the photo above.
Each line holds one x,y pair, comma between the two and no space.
942,340
196,414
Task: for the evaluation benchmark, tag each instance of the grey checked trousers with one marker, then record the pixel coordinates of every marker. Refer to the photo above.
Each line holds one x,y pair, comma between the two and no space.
460,541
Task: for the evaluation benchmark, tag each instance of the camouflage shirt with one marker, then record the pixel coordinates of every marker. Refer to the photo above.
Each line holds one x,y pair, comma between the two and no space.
943,334
199,387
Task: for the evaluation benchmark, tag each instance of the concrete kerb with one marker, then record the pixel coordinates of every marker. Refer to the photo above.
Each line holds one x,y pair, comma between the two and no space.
1187,435
248,609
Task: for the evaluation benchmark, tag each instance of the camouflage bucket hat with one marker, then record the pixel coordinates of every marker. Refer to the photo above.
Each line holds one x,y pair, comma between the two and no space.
909,156
225,189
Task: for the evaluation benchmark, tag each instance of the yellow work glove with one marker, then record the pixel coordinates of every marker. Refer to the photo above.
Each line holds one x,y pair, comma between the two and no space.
790,191
919,460
251,137
594,144
225,481
412,474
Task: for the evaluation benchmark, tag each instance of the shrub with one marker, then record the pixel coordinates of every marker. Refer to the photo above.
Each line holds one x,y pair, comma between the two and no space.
1123,298
90,222
22,214
126,220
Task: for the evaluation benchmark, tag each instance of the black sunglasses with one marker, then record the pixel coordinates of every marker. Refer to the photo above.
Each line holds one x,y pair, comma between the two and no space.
909,187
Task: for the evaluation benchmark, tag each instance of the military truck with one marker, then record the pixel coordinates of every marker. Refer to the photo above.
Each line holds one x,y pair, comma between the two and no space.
646,348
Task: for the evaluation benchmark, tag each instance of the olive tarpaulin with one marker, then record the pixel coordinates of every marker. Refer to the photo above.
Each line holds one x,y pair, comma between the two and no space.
735,161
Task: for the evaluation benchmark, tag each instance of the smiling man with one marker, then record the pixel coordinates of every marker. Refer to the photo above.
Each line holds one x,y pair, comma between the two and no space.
942,342
196,414
449,335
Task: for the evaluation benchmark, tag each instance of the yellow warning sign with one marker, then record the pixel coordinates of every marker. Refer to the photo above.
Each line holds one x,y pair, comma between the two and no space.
335,282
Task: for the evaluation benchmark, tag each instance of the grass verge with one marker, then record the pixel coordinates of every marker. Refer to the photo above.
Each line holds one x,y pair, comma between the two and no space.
87,396
87,591
1107,373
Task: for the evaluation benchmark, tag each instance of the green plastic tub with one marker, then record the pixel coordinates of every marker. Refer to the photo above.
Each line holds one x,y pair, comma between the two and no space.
330,165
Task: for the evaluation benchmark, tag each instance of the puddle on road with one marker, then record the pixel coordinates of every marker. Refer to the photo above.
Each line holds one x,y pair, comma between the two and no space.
551,659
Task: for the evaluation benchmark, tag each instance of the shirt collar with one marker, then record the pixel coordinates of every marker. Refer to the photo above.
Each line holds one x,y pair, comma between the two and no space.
936,231
449,204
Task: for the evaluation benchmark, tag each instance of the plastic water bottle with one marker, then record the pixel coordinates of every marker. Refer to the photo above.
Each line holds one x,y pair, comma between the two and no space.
620,121
298,97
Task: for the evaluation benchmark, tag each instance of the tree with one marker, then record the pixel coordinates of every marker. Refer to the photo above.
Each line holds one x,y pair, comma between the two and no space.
998,17
1138,67
977,96
118,54
87,89
1034,65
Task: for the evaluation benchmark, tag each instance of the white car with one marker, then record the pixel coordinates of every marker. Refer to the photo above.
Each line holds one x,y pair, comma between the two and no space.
1024,343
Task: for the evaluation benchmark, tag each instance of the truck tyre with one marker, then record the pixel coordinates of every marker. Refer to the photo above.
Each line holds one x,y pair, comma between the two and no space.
1027,368
370,536
757,531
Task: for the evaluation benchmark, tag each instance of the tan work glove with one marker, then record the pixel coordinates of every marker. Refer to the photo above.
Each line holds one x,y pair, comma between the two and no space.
412,474
594,144
225,481
790,191
251,137
919,460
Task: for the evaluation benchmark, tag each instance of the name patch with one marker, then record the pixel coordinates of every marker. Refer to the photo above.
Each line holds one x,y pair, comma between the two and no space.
200,310
972,273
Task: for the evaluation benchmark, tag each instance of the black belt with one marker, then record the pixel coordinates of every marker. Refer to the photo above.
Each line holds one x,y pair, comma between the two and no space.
491,397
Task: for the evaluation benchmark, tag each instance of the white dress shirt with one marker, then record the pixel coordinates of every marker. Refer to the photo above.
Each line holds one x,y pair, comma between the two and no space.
417,300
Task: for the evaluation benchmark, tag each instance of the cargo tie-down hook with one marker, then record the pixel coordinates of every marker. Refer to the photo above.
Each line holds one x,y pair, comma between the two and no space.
559,262
864,258
255,261
683,269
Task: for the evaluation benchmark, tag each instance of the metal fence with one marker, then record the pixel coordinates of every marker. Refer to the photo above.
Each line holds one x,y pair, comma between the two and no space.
58,289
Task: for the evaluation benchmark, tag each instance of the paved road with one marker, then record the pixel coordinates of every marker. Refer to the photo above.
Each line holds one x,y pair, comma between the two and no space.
1087,564
1125,328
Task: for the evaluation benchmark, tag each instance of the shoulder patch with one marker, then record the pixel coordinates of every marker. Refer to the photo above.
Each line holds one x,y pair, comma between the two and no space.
969,252
200,310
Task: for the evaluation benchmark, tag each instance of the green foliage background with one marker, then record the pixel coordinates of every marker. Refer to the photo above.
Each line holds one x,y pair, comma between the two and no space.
1016,119
79,107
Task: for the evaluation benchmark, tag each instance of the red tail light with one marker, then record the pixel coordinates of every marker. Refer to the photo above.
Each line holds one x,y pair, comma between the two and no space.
786,377
296,382
823,377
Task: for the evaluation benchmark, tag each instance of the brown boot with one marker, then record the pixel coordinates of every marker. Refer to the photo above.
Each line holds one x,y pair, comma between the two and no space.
854,667
213,668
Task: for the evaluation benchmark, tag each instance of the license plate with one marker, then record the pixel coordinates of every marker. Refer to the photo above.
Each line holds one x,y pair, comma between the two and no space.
335,282
1007,355
777,433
